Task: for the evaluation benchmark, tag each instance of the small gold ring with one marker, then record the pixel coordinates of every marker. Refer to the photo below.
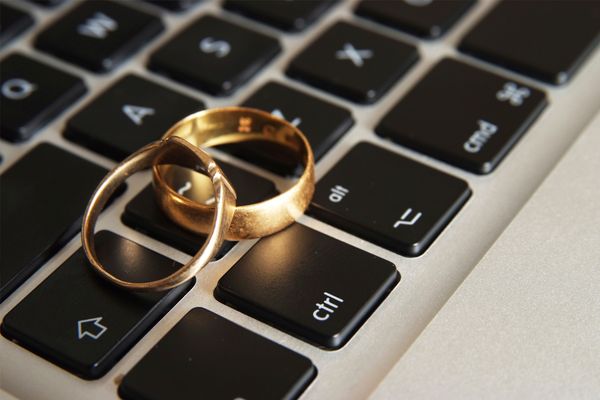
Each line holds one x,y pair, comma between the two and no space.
233,125
167,151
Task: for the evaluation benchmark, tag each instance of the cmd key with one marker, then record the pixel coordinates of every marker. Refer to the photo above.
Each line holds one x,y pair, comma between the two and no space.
288,15
388,199
214,55
206,356
42,199
428,19
545,39
463,115
143,213
308,284
353,62
99,35
130,114
32,94
85,324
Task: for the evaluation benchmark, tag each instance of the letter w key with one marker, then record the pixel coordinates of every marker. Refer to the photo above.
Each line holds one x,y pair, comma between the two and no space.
102,34
98,26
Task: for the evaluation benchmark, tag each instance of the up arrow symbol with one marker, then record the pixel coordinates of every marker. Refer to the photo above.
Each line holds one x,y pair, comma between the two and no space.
90,327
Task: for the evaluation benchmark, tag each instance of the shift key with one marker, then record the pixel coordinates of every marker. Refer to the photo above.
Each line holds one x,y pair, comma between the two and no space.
42,199
85,324
308,284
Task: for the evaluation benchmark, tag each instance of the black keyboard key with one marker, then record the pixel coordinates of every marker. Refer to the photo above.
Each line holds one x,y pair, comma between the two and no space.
322,122
32,94
42,199
175,5
47,3
547,40
84,324
361,65
206,356
309,284
288,15
473,119
13,22
425,18
130,114
100,34
402,207
215,55
143,213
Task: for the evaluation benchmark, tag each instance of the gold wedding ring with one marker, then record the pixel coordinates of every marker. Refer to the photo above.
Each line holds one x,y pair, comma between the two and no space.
234,125
171,150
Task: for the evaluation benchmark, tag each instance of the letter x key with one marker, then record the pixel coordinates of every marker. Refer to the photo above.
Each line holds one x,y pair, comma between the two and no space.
356,56
356,66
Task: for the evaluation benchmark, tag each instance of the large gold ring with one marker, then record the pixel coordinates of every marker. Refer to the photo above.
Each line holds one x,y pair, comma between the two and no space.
176,151
233,125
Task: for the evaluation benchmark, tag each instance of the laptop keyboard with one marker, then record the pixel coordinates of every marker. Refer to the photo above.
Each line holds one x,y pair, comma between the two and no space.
315,290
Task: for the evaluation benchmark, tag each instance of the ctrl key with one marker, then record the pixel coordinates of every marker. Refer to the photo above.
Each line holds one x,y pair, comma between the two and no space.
84,324
208,357
308,284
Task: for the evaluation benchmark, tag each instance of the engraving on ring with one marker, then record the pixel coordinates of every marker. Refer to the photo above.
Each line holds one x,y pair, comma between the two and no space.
245,124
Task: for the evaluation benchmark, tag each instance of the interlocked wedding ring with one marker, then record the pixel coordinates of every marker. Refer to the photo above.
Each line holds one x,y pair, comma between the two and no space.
234,125
172,150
